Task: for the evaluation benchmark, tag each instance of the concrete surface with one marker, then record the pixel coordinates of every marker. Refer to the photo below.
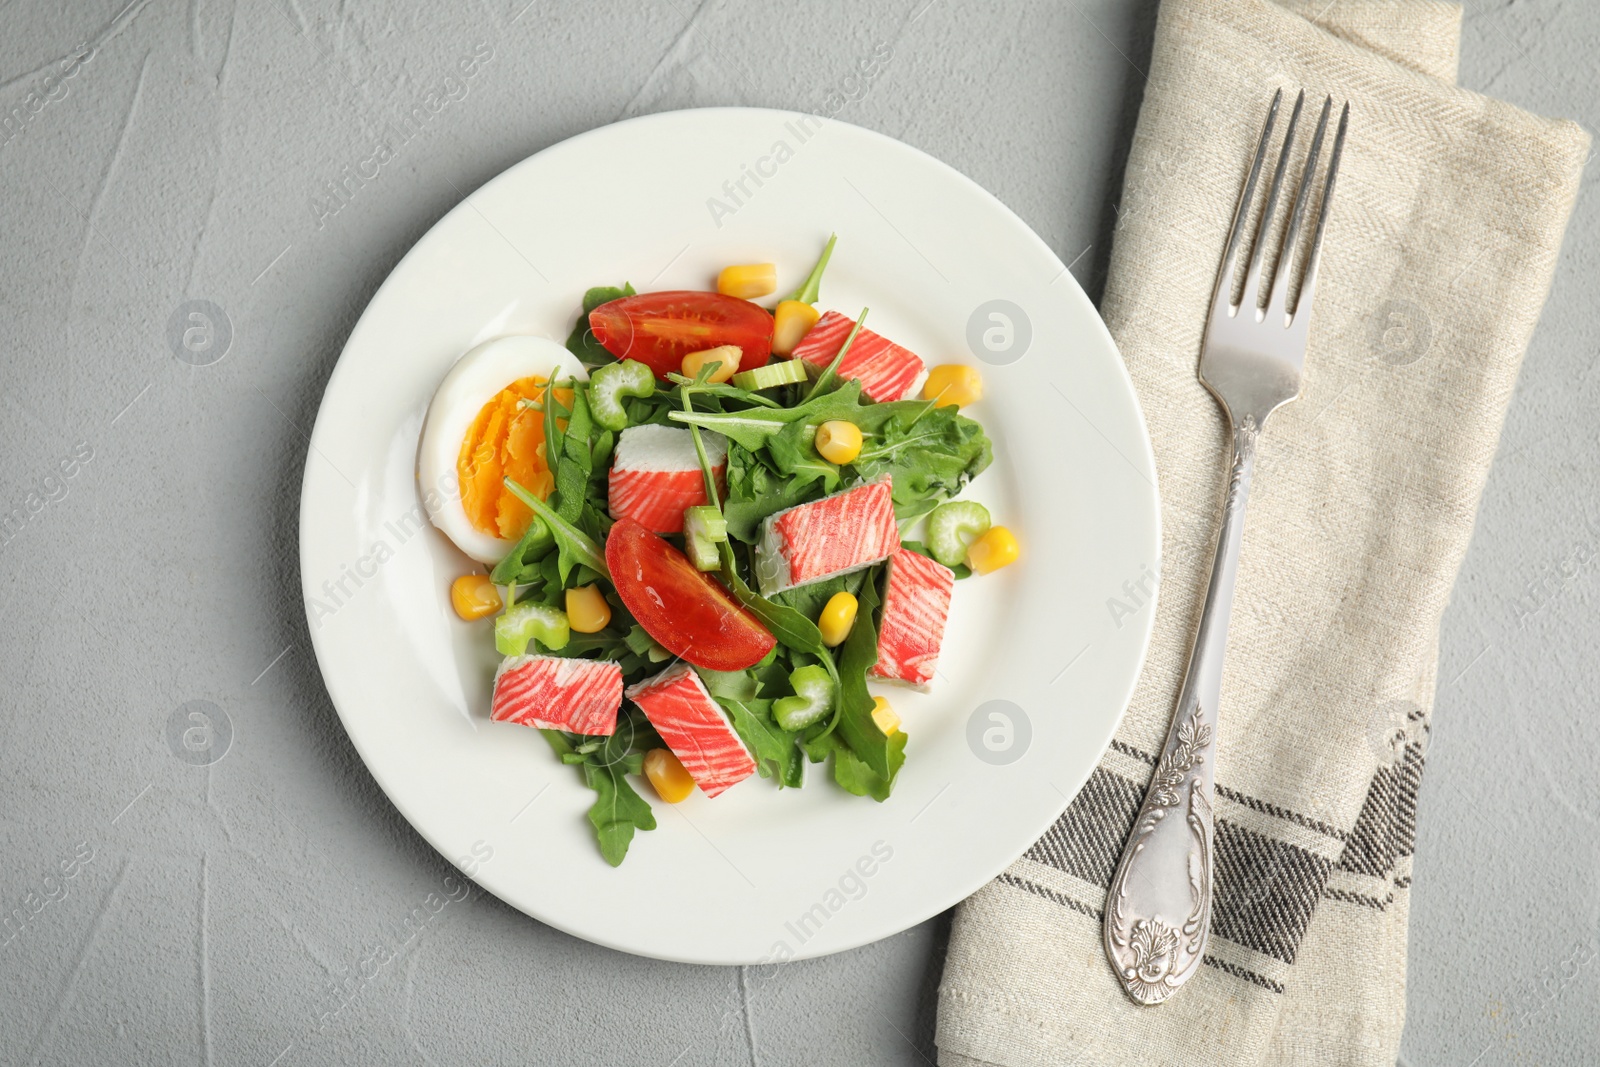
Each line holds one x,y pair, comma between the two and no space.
228,911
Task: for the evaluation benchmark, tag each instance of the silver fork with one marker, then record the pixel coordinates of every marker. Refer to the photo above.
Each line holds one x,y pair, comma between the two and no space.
1158,908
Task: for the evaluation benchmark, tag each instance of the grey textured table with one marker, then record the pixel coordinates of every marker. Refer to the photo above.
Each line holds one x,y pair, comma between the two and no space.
226,909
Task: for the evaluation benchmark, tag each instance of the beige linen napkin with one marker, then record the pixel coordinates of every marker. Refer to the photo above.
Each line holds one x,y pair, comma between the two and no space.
1439,254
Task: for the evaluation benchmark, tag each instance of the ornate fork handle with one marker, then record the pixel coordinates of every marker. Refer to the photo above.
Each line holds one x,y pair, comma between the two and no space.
1158,909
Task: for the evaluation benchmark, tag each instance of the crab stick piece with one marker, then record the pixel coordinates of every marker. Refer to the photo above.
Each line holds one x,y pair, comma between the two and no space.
656,475
835,535
885,370
581,696
695,728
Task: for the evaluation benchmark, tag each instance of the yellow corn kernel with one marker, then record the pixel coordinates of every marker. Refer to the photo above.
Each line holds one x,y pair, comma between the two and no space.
953,383
838,616
838,441
748,280
474,596
672,783
727,355
587,610
995,549
792,321
884,716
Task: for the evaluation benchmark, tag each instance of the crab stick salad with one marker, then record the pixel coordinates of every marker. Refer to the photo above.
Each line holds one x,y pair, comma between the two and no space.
704,525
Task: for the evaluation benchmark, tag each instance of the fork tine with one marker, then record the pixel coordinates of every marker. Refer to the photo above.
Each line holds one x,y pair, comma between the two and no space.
1308,287
1223,297
1291,237
1252,282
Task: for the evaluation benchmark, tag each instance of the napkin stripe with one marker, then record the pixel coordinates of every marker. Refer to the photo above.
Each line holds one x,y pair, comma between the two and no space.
1267,888
1086,841
1356,898
1240,972
1387,826
1098,915
1281,813
1265,892
1251,802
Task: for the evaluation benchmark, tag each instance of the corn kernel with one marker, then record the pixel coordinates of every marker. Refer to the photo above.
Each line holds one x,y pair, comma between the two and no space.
884,716
953,383
587,610
838,616
790,322
838,441
672,783
474,596
727,355
747,281
995,549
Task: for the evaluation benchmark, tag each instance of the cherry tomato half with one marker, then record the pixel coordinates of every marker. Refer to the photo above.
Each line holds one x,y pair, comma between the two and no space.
659,329
686,612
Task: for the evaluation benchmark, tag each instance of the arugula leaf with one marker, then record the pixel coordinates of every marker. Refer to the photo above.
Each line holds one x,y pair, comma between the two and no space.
572,544
519,567
753,426
724,390
771,746
572,486
580,427
786,624
853,774
610,645
750,428
882,755
600,453
759,487
793,451
730,685
756,491
604,294
554,411
581,342
930,453
638,641
772,677
810,599
618,810
811,288
849,770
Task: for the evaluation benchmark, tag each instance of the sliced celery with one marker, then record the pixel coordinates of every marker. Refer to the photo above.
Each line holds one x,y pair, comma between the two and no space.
778,372
703,529
813,689
528,621
952,526
610,383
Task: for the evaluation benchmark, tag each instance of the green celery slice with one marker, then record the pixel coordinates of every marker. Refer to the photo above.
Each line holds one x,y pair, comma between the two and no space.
610,383
770,376
813,689
703,528
528,621
952,526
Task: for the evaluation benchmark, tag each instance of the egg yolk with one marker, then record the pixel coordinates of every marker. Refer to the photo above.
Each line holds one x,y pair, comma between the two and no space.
506,440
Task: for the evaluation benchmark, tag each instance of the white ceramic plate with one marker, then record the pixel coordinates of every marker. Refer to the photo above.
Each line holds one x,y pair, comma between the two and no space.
756,874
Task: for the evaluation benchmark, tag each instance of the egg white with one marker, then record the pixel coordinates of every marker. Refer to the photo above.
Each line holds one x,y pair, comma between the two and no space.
470,384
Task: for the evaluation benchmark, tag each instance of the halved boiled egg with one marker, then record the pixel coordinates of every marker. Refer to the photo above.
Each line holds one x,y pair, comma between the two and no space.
479,431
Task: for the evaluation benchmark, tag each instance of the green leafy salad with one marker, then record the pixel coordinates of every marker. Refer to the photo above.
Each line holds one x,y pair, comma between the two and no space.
719,537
